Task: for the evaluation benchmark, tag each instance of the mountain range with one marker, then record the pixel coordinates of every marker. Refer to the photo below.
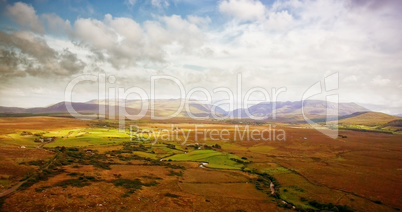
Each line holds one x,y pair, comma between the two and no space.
310,108
165,107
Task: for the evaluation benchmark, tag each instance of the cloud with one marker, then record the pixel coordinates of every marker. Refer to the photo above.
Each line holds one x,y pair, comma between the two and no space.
243,10
57,24
10,61
23,53
28,44
130,3
374,5
350,78
187,34
95,33
279,21
25,15
124,43
127,28
288,43
116,40
160,3
199,21
380,81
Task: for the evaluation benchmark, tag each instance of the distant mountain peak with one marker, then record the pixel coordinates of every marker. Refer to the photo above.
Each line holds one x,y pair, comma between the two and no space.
293,109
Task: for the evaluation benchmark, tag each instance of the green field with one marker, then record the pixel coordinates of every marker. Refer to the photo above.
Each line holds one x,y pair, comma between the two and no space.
87,137
215,159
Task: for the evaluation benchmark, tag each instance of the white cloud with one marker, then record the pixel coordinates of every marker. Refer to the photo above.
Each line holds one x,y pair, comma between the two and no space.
160,3
130,3
279,21
127,28
124,43
199,21
243,10
56,24
25,15
351,78
380,81
187,34
95,32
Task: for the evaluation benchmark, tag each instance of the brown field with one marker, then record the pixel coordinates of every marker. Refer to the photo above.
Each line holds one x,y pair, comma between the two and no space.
195,193
362,170
369,118
13,164
40,123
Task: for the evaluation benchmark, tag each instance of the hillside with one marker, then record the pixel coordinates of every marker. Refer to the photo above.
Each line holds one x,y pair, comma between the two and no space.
162,107
311,108
368,118
285,111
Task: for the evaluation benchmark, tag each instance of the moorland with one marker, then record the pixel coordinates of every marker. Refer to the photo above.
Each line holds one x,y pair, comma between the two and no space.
61,163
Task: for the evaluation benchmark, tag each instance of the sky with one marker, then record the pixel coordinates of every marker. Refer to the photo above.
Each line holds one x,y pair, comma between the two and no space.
291,44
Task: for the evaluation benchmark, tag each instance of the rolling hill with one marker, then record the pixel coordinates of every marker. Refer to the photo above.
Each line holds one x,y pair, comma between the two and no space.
368,118
285,111
162,107
311,108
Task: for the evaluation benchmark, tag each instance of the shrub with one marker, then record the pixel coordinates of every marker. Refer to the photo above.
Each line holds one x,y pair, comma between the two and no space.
239,161
129,184
36,162
73,183
171,146
73,174
40,189
217,146
154,183
26,133
330,207
173,173
100,164
207,147
171,195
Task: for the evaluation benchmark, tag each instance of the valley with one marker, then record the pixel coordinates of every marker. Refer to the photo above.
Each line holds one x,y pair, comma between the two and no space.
69,164
201,106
